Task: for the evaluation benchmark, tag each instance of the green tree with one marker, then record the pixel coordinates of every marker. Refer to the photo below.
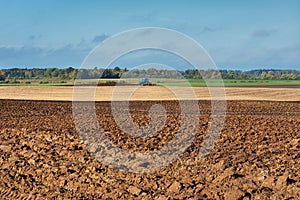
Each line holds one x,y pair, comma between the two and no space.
55,73
264,75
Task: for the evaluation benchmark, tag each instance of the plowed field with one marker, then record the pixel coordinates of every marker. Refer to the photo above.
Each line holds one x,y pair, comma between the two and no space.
256,157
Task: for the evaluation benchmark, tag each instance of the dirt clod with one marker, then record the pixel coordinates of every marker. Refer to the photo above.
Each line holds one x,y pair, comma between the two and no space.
174,188
134,190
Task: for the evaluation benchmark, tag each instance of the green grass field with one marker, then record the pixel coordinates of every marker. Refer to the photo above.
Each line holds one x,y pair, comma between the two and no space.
38,84
229,83
168,82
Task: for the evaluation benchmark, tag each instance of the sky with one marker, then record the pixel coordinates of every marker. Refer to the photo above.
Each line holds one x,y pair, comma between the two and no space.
236,34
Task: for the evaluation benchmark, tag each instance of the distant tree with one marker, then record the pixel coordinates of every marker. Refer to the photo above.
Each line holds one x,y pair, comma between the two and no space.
2,75
231,75
2,78
48,72
69,69
55,73
264,75
73,74
117,69
83,74
28,74
107,73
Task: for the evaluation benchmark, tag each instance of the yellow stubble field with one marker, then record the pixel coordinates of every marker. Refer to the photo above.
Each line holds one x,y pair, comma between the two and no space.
108,93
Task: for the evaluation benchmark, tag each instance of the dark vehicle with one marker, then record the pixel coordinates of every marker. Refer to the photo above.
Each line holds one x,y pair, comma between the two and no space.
144,81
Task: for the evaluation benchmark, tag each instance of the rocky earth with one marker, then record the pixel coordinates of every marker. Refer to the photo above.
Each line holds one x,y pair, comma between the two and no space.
256,157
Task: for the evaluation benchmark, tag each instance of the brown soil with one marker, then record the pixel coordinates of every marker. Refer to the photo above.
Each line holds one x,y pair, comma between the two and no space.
256,157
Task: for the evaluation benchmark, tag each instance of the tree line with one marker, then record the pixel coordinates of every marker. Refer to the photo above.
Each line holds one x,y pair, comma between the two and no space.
15,74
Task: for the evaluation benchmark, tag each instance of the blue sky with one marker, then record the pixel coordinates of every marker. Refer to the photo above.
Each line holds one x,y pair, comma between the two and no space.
237,34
